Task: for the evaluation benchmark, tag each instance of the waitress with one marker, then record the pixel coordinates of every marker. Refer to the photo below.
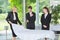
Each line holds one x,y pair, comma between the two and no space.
30,18
45,19
13,18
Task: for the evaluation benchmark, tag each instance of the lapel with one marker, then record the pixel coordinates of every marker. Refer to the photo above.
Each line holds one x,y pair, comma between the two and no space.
13,15
32,13
46,16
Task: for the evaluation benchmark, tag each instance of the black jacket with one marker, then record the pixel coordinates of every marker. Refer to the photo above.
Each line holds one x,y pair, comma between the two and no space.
46,21
10,18
31,23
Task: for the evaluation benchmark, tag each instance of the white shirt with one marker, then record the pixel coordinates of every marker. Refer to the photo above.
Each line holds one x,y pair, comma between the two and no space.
14,16
45,15
31,14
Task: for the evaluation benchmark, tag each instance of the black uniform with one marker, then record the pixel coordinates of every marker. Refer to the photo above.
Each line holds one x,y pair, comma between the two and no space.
10,18
46,21
31,23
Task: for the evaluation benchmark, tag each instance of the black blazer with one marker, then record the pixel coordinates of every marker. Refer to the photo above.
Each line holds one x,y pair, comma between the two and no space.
46,21
31,23
10,18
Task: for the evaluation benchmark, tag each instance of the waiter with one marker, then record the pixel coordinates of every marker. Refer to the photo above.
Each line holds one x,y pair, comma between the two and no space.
13,18
30,18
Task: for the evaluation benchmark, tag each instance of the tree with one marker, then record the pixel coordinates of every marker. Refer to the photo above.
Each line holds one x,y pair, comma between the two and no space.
55,14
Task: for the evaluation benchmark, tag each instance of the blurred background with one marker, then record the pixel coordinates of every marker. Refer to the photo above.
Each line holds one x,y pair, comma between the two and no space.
22,6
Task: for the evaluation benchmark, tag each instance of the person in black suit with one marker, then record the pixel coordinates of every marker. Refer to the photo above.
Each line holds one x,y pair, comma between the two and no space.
45,19
30,18
13,18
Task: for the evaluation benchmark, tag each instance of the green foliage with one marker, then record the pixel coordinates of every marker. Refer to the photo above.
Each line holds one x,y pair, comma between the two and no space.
55,14
18,4
31,3
3,5
3,16
44,3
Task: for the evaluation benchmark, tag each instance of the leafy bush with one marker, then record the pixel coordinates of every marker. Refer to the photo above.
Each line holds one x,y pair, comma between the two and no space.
55,14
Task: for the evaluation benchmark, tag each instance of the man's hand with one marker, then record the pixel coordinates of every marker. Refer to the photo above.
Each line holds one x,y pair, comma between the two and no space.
44,26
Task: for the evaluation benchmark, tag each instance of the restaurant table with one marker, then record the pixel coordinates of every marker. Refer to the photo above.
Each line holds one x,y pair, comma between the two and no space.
27,34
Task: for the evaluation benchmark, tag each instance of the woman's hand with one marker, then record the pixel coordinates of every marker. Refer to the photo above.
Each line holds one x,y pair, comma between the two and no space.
27,21
10,22
44,26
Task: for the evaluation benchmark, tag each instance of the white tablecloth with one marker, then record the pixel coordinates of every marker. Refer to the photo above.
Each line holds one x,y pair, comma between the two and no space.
55,27
26,34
